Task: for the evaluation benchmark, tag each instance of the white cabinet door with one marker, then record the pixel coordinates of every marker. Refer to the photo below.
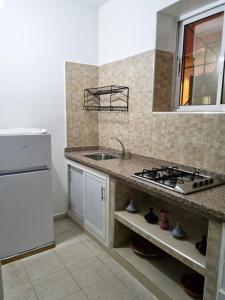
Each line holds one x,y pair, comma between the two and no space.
94,204
221,295
76,192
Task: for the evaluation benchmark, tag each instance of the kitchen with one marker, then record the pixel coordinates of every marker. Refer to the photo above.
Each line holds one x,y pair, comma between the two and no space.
127,47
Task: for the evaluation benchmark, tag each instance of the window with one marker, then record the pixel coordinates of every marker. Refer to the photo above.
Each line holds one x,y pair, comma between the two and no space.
200,77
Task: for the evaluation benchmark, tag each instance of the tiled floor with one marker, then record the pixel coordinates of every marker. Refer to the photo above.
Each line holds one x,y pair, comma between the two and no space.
77,269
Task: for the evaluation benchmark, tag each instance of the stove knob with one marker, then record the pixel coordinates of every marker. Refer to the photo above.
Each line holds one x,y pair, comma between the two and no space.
211,181
201,183
195,185
206,182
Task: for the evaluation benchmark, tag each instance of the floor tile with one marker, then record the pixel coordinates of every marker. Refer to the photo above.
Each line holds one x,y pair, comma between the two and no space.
89,272
149,269
93,246
75,226
125,251
130,282
62,226
42,264
108,289
67,237
110,263
88,267
76,296
55,286
24,292
14,276
147,296
73,254
136,288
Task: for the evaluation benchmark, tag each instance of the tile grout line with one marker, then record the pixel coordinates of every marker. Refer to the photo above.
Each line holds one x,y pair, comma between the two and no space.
50,273
72,279
68,272
114,274
97,256
29,280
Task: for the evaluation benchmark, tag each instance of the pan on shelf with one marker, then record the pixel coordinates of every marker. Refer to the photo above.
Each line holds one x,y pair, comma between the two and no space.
193,285
144,248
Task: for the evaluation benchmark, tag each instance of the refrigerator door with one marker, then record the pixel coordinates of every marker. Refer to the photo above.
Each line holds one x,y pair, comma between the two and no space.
26,214
1,284
22,152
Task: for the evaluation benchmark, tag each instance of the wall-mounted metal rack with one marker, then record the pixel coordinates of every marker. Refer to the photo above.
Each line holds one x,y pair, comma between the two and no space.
107,98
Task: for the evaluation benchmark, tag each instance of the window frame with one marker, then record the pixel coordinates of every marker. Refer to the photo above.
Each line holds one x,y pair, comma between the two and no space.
218,107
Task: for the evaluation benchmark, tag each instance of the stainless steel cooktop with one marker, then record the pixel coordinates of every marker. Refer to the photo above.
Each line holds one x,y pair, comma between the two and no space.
178,180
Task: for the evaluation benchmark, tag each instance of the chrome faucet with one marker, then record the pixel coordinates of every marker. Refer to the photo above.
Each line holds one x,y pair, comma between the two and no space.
123,154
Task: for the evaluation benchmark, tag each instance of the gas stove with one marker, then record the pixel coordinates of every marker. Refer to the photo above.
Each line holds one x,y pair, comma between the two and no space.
178,180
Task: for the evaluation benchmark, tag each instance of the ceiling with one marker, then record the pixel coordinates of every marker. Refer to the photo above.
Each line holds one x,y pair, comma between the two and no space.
96,2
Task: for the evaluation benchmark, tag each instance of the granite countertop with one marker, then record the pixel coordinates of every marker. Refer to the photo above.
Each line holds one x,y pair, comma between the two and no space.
209,203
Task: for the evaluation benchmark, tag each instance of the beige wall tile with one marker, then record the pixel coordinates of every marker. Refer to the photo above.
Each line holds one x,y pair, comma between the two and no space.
82,127
163,79
197,140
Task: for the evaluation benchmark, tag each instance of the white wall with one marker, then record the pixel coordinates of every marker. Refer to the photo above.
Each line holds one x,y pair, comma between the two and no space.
36,37
127,27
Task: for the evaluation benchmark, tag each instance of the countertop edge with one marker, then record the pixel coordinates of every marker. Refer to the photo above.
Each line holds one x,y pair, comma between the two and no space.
204,211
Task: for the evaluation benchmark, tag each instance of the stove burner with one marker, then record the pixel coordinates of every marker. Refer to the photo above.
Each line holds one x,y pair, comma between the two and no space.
150,174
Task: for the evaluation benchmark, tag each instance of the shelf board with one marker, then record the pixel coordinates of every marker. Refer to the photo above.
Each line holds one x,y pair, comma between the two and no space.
105,108
164,273
113,95
183,250
106,90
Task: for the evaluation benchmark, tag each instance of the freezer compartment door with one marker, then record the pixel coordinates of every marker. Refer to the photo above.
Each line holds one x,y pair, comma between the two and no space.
21,152
26,213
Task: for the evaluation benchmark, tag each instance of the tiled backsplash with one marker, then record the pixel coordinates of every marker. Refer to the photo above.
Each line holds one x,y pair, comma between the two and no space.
163,80
194,139
82,127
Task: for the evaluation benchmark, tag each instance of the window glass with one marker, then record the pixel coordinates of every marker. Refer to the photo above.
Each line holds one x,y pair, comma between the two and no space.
201,58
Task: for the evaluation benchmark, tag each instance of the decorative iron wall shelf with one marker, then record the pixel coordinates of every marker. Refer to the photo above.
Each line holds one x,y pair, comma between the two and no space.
107,98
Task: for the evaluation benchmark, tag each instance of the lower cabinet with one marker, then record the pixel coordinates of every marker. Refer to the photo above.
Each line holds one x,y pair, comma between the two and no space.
88,199
76,192
221,295
94,204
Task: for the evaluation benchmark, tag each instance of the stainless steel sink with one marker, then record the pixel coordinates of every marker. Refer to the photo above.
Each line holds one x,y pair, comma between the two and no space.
101,156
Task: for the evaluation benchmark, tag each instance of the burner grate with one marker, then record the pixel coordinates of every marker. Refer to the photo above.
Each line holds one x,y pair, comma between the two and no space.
178,180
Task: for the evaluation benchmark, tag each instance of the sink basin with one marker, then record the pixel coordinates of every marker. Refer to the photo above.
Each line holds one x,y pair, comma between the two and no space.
101,156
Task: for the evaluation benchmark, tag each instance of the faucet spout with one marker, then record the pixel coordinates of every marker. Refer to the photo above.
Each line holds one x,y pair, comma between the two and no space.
123,154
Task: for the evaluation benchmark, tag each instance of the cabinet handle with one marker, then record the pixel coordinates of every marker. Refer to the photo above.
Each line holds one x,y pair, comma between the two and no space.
103,194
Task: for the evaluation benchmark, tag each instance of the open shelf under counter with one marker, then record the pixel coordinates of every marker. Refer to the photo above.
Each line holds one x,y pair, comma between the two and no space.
183,250
164,273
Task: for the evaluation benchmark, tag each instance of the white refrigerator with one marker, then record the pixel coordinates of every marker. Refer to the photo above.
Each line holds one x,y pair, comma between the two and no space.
1,284
26,209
